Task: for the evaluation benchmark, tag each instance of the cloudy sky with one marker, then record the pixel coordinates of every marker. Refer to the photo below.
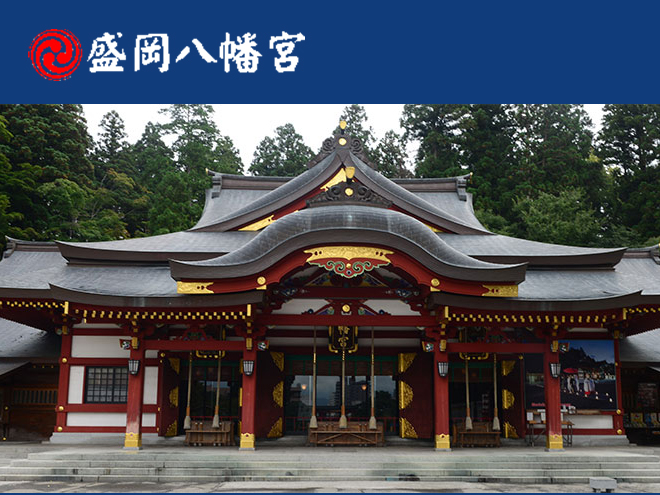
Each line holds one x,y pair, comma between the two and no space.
247,125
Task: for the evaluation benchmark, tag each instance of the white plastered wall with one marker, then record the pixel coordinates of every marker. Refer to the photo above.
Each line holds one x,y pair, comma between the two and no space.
106,419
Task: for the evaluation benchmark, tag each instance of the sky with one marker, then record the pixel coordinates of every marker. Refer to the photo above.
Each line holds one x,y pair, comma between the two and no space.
247,125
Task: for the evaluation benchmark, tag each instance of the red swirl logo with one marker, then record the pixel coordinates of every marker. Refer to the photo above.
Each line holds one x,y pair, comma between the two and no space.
55,54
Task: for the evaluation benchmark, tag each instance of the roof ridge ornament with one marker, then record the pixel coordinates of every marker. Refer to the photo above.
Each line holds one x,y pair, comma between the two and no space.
342,143
348,192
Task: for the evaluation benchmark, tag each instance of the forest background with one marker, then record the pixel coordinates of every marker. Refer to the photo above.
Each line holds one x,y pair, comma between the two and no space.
538,171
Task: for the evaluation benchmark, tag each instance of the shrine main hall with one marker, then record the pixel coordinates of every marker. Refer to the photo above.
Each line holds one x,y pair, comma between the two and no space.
338,305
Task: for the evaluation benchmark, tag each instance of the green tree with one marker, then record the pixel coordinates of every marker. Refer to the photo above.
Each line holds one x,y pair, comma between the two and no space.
629,146
564,218
435,127
486,144
284,155
356,118
47,142
390,156
554,151
198,145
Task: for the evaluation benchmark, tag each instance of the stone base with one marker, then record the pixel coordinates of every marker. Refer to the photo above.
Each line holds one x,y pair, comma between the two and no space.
442,450
109,439
600,440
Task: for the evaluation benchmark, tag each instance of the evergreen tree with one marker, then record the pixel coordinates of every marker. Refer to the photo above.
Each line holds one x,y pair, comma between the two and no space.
46,143
564,218
629,145
390,156
435,127
486,147
356,118
285,155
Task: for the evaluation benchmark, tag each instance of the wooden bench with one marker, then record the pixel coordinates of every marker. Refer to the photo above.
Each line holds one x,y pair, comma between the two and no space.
202,433
329,433
481,435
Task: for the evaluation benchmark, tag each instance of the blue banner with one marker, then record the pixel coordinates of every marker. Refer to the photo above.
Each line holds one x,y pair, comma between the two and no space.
311,52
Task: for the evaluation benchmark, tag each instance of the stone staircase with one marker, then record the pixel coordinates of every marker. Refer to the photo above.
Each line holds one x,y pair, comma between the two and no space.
534,466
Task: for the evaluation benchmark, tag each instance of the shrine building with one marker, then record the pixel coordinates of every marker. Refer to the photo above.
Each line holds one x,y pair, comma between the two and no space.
340,305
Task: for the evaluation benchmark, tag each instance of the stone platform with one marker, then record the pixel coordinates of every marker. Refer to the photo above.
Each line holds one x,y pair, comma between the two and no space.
277,462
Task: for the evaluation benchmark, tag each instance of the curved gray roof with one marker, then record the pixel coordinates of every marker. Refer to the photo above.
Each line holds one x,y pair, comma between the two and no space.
216,217
348,223
504,249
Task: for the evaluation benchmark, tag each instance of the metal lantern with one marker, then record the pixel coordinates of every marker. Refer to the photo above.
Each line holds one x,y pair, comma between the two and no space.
133,366
554,370
248,367
443,368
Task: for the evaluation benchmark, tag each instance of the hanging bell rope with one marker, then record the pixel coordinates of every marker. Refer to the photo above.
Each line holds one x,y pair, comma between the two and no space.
496,419
187,421
343,422
468,419
216,416
373,425
313,423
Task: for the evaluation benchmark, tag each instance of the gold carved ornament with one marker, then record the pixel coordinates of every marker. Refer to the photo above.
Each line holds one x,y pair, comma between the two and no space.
510,430
193,287
259,224
507,367
348,261
500,291
338,178
174,397
172,429
276,429
175,364
407,430
278,359
133,440
508,399
405,394
278,394
405,360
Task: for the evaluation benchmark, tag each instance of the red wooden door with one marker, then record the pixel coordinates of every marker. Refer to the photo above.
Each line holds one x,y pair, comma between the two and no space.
415,382
168,402
269,418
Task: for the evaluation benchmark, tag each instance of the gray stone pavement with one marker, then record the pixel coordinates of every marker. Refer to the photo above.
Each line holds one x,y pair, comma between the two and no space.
312,487
9,451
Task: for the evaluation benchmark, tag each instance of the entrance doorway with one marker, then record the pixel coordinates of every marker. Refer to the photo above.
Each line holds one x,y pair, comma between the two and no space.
204,388
299,387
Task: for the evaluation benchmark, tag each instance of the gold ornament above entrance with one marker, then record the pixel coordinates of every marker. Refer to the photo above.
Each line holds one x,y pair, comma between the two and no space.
343,339
348,261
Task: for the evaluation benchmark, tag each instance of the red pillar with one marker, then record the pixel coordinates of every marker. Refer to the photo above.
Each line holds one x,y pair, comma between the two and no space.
63,384
552,402
618,418
133,438
440,399
249,399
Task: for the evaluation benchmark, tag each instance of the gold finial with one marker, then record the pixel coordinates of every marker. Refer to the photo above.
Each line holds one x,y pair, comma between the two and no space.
342,125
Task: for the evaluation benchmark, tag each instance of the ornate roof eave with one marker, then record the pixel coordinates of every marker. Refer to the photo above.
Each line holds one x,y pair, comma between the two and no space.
168,303
605,259
438,299
340,224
